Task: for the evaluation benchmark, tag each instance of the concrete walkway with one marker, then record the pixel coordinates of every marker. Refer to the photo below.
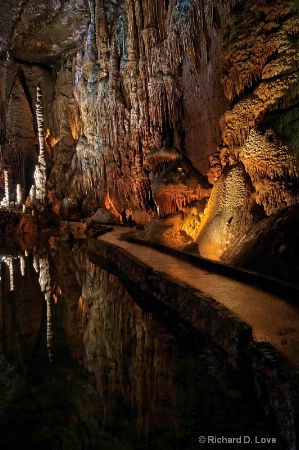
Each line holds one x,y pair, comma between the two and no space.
271,317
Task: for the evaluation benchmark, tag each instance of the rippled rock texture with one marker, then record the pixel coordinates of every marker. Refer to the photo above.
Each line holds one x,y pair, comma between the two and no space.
215,82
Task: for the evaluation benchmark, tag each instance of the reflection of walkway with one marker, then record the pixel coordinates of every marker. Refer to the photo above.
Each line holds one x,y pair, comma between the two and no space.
271,317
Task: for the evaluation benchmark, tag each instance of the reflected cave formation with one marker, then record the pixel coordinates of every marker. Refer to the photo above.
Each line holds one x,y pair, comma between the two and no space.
95,370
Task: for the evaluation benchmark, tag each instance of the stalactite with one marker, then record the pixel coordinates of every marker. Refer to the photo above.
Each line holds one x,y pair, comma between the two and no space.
274,195
157,158
264,156
138,64
259,67
235,79
271,166
178,185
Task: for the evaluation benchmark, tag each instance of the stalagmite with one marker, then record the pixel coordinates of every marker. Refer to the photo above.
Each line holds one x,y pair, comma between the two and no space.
19,194
38,193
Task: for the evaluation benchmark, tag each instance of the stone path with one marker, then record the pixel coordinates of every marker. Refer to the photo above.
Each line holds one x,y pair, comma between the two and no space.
271,317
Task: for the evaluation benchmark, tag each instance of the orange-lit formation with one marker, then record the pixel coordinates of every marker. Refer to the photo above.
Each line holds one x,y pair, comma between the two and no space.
178,115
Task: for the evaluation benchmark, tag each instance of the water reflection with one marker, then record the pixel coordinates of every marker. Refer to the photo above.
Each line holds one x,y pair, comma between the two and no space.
96,370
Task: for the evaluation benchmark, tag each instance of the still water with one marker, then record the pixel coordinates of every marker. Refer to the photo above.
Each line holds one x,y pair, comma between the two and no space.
88,362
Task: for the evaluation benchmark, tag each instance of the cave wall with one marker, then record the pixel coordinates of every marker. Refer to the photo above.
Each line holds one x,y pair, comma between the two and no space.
144,74
130,76
217,81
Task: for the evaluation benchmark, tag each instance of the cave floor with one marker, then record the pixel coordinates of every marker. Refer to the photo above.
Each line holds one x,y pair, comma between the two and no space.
273,318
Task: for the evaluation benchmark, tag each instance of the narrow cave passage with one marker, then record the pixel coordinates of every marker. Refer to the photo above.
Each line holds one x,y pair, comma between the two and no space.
176,120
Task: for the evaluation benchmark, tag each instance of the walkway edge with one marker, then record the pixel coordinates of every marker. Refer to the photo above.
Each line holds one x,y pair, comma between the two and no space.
269,283
275,381
201,311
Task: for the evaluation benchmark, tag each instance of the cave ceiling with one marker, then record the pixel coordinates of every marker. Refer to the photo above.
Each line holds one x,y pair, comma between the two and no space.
42,31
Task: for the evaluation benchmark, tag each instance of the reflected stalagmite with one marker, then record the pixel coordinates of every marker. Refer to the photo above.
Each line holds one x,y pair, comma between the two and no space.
22,265
9,262
42,265
133,383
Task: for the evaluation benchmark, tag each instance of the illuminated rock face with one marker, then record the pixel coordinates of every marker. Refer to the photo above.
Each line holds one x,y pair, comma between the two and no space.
123,84
217,81
262,83
174,181
259,62
228,213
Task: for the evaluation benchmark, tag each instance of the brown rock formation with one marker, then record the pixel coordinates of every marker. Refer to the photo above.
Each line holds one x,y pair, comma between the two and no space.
217,80
229,212
259,75
174,181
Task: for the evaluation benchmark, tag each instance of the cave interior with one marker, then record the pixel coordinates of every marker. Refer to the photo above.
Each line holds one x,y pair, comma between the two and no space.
175,120
180,117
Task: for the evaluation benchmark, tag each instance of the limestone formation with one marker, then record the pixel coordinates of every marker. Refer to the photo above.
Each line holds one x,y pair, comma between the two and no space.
10,265
40,168
150,107
41,265
229,213
177,186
